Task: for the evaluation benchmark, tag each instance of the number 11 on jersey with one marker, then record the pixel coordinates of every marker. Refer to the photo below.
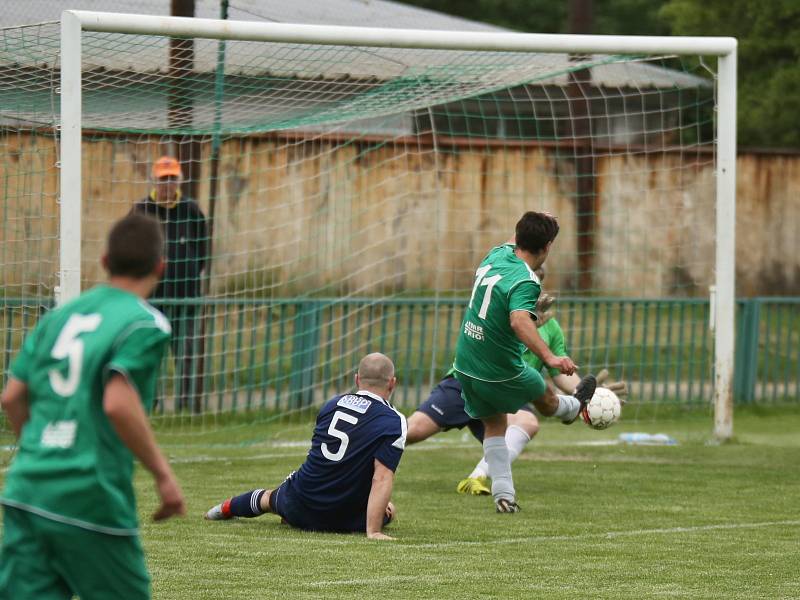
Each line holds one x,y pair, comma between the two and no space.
489,282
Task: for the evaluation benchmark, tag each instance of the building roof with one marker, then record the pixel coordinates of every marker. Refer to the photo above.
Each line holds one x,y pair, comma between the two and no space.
553,69
359,13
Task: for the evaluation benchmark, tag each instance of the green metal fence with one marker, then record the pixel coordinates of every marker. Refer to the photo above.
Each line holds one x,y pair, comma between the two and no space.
288,353
767,365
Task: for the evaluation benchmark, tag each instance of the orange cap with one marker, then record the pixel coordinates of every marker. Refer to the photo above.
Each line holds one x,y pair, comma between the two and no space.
166,166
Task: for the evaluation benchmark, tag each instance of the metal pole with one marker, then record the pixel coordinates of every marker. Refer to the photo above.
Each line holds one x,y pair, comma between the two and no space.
725,304
216,142
579,91
205,322
69,275
180,106
402,38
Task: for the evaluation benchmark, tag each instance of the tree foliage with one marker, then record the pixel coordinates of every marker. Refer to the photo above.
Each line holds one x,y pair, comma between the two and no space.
769,60
768,33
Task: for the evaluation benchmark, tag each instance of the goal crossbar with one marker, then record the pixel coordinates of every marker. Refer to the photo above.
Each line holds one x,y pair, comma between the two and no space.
400,38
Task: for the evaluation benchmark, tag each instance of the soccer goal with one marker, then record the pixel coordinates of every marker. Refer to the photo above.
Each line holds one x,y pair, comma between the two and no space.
351,179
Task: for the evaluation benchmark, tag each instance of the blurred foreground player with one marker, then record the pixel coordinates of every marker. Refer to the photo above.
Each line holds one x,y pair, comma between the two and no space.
345,484
76,398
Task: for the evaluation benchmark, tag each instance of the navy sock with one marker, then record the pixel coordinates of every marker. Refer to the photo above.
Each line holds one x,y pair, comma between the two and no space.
247,504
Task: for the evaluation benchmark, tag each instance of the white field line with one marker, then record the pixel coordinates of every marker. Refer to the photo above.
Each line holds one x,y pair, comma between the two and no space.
304,446
426,446
371,580
227,459
323,542
609,535
431,443
546,538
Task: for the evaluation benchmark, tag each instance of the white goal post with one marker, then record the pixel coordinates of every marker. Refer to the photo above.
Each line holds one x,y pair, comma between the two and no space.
73,23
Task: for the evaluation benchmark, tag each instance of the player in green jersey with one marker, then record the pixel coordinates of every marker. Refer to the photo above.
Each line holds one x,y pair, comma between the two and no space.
77,397
497,326
444,407
523,425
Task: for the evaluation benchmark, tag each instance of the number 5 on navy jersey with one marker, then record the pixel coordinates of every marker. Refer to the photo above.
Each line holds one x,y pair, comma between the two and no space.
341,435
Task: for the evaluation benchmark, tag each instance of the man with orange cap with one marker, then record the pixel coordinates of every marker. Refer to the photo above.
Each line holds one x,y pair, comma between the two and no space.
186,240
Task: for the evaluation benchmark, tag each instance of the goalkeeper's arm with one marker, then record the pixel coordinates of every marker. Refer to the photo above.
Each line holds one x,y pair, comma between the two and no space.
568,383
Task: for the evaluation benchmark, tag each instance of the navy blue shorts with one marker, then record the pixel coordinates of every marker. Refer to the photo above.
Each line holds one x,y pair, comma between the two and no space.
445,406
284,502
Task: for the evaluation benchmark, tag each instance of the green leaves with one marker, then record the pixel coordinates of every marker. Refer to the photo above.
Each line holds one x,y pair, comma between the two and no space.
769,55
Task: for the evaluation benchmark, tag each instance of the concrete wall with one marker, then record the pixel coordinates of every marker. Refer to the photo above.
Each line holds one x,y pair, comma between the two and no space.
328,217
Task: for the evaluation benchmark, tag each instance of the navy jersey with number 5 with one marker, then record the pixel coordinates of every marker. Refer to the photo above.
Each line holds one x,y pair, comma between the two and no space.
352,431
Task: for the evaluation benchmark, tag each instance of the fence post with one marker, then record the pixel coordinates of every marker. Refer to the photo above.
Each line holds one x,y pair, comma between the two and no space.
305,351
747,351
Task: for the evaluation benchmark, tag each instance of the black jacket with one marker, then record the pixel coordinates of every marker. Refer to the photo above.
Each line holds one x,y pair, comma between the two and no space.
186,238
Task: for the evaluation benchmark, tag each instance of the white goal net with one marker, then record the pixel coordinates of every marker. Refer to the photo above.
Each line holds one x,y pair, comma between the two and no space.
347,192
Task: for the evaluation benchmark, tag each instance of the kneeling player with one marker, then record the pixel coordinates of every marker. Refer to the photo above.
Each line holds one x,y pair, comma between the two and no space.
345,484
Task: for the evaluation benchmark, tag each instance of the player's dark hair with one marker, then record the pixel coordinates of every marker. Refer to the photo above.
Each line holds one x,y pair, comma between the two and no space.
135,245
535,230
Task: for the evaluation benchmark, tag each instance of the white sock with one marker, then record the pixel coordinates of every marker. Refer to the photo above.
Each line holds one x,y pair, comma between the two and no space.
568,407
495,452
516,440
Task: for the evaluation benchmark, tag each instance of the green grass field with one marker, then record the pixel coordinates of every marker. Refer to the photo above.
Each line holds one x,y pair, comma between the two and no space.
598,521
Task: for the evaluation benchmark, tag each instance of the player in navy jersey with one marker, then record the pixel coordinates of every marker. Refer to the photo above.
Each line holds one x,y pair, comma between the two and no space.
345,484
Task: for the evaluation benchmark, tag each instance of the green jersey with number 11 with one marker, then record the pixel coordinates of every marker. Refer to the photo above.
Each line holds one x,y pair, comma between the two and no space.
72,466
487,348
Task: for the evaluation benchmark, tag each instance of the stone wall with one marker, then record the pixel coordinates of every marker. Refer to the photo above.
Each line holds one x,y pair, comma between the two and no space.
331,217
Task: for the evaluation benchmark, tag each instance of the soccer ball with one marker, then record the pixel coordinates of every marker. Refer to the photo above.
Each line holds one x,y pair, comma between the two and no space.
603,409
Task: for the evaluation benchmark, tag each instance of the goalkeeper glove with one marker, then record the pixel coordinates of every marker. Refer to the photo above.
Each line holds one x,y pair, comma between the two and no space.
542,310
620,388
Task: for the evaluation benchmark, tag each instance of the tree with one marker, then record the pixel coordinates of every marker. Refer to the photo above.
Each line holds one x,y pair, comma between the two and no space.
769,54
621,17
541,16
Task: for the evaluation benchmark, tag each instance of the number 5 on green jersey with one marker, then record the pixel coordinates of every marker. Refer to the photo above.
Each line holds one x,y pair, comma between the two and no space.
69,345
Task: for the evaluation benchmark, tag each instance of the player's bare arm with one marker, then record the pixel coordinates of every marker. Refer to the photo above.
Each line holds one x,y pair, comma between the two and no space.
124,409
15,404
378,503
525,329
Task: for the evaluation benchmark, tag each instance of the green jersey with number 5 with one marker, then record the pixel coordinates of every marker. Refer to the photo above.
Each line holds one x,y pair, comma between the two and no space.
487,348
71,465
